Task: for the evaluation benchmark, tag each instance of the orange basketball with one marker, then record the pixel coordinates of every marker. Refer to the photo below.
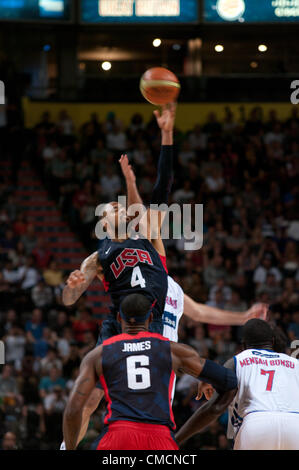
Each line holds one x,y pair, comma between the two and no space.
159,86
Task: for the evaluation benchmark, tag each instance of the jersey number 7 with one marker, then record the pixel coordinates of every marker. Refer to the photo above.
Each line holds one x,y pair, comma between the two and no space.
270,378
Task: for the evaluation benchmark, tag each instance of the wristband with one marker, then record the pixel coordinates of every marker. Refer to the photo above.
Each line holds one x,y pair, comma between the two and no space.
221,378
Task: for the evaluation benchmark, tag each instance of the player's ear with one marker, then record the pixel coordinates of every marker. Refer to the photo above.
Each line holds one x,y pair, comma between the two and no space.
150,318
118,317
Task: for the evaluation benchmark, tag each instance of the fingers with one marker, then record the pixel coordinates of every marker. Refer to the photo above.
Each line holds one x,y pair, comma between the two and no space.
76,278
157,113
123,159
209,392
199,391
206,389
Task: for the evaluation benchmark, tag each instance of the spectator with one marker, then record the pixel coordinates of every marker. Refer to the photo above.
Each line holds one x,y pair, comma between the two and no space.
83,324
8,384
42,295
9,441
42,255
53,276
116,139
213,271
48,382
293,330
111,184
35,326
50,361
197,140
28,274
15,342
29,239
265,268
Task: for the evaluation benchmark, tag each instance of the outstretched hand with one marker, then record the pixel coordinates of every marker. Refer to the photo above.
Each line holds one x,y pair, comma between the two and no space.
127,169
166,118
259,310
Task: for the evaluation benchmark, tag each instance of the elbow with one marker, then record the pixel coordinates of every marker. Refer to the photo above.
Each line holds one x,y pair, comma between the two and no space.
224,401
72,412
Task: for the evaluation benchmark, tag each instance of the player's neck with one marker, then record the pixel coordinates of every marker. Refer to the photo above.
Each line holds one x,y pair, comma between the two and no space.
261,346
131,330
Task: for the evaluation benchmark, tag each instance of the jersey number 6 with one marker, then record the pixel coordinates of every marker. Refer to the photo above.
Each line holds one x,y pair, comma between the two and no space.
138,377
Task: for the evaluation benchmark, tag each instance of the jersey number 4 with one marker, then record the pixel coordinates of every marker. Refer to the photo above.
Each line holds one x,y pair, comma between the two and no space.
137,279
138,377
270,378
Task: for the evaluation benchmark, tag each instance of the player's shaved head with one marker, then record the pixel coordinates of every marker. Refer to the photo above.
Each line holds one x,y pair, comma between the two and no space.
257,333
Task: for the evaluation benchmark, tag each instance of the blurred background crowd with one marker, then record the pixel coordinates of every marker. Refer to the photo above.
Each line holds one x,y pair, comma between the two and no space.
244,172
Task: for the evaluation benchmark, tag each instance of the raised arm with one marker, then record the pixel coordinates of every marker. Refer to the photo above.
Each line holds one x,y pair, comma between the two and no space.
162,187
216,316
90,370
211,410
79,280
133,196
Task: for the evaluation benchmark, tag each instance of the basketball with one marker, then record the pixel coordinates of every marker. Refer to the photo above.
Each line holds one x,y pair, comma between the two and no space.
159,86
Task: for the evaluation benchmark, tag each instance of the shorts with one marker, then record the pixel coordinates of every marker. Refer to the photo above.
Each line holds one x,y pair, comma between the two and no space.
267,430
129,435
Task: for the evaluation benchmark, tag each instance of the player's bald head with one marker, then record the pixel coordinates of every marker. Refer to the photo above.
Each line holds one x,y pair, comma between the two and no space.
257,333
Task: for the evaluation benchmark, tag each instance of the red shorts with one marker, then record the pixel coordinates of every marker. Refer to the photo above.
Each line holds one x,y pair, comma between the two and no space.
128,435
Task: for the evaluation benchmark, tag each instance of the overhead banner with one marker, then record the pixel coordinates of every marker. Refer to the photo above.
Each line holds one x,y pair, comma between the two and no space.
139,11
251,11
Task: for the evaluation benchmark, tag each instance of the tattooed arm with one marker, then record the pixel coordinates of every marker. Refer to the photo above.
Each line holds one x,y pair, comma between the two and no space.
90,370
79,280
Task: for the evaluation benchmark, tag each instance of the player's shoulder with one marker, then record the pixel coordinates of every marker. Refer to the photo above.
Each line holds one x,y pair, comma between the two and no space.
174,286
182,349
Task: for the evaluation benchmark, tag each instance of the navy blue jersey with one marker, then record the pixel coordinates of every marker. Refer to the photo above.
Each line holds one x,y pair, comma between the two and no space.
133,266
138,379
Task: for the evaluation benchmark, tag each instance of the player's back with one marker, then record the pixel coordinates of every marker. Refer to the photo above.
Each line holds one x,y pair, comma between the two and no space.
137,379
133,266
268,381
268,390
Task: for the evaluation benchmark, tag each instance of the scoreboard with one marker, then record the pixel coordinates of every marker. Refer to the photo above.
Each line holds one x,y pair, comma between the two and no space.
139,11
35,10
251,11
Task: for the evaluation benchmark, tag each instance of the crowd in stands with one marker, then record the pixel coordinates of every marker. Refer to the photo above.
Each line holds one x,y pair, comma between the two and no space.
245,173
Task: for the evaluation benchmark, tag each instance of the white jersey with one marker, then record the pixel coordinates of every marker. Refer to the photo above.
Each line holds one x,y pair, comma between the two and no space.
267,382
173,310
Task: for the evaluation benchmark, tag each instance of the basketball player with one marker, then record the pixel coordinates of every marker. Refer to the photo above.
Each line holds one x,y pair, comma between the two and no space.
264,414
177,302
137,369
125,264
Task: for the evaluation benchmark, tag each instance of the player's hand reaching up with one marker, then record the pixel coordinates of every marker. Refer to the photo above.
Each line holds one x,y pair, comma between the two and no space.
259,310
127,169
75,279
166,118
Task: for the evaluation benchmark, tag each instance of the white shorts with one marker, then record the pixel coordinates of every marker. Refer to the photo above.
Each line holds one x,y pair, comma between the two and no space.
268,431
